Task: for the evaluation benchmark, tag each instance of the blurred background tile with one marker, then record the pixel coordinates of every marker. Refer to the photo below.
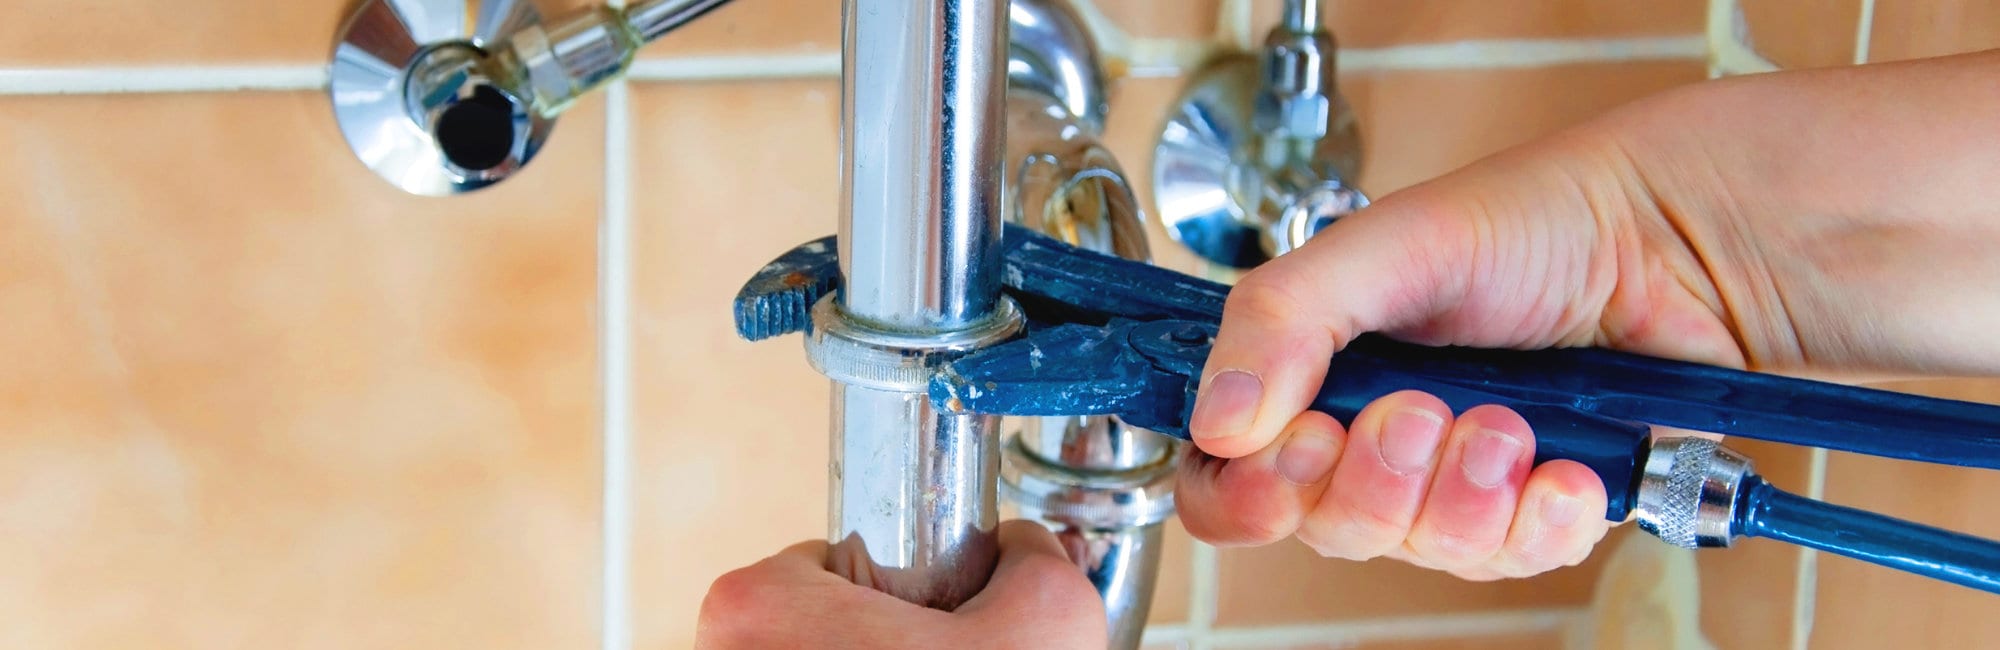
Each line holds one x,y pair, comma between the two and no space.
757,27
255,397
1802,33
1907,29
731,443
1384,23
1288,583
73,33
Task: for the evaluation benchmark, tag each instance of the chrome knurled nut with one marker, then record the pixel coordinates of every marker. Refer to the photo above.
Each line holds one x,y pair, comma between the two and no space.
857,355
1687,491
1101,500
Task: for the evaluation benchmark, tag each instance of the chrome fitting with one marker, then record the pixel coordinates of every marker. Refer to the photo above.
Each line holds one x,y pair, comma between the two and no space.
1295,101
1687,491
855,354
562,61
1089,499
1316,209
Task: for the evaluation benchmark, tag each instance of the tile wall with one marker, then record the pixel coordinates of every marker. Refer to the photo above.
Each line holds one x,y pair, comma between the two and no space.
254,397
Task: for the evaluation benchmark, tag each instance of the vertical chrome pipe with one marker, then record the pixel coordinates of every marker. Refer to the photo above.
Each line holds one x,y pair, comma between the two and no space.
922,82
924,85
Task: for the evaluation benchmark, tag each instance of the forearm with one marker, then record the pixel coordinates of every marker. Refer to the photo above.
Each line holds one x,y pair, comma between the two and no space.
1848,219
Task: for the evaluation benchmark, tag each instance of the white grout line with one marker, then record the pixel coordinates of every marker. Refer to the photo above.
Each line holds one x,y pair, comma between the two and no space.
614,273
1728,53
1864,33
736,68
191,79
1146,57
1203,597
1232,24
1404,628
1524,53
1164,635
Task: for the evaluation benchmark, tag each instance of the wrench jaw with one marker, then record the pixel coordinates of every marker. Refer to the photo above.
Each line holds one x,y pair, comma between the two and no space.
1144,373
779,298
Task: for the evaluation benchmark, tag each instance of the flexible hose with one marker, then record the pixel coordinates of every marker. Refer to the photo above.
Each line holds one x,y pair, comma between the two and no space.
1766,511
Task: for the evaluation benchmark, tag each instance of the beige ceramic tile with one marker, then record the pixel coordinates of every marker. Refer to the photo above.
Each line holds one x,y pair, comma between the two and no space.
67,33
1544,641
731,436
1803,33
1382,23
1287,583
1418,125
1917,28
1189,19
1747,589
256,397
1861,605
757,27
1170,594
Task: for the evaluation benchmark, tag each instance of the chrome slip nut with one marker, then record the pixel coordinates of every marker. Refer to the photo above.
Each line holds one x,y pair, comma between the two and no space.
855,354
1687,491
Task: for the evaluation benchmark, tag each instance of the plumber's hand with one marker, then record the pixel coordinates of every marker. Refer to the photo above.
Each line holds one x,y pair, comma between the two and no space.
1824,220
1037,599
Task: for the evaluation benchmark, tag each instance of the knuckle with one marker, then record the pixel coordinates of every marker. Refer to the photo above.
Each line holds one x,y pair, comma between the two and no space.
1451,548
1530,559
1264,296
1354,534
1236,508
730,616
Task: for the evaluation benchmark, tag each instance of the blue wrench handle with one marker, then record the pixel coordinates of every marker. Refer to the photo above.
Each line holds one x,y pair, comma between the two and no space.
1613,449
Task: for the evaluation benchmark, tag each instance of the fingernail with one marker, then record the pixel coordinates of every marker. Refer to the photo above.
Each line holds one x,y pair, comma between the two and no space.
1561,510
1409,438
1307,458
1488,457
1227,404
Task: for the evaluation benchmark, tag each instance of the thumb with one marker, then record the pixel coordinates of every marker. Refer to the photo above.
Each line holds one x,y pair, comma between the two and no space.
1388,266
1036,581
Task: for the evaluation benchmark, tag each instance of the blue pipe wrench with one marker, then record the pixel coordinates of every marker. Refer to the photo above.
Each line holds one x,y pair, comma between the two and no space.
1108,336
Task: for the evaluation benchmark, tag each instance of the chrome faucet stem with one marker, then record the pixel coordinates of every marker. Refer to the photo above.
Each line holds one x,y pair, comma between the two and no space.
654,18
923,87
923,122
1301,16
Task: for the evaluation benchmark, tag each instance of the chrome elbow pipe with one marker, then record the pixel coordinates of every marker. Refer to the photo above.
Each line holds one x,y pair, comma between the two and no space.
1104,488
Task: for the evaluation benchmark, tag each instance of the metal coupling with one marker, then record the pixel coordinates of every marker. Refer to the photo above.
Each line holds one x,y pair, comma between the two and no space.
1687,491
1088,499
561,62
855,354
1295,100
